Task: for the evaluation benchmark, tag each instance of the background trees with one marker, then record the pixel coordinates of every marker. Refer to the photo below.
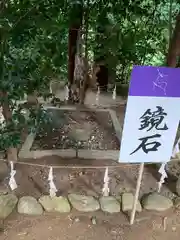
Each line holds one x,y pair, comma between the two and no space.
38,42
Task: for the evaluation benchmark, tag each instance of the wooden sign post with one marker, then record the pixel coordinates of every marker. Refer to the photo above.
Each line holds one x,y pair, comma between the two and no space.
136,197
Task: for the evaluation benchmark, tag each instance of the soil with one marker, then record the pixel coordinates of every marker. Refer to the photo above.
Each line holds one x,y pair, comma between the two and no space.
33,181
79,226
61,133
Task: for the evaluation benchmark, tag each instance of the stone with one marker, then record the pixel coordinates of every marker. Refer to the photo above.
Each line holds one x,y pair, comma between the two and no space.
55,204
83,203
109,204
7,205
94,220
3,171
76,220
177,203
3,190
127,203
29,205
81,134
119,198
157,202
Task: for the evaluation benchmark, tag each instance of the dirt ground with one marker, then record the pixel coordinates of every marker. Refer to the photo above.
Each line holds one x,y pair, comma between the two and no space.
33,181
148,226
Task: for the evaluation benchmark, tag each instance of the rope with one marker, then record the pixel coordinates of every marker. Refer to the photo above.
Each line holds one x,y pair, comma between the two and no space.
70,166
118,165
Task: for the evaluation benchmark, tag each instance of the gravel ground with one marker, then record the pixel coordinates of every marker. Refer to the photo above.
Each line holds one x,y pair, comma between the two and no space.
71,129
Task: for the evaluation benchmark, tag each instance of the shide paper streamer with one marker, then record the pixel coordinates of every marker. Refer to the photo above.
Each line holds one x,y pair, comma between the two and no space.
12,181
105,189
97,96
114,93
66,93
52,187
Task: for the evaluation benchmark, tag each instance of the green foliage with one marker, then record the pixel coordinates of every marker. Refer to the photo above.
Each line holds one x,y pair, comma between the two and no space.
132,32
34,46
31,48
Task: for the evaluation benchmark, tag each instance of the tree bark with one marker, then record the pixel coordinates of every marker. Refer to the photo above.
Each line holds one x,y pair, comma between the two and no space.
73,34
32,99
87,79
103,77
101,53
75,24
11,152
174,46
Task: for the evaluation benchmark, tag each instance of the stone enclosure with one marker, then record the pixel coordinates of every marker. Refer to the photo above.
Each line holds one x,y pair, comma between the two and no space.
82,135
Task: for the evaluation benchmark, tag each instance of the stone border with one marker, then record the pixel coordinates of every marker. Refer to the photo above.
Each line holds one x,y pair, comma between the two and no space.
71,153
83,203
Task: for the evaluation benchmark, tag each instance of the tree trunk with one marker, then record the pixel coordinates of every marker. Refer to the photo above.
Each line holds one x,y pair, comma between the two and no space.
101,53
87,80
76,17
11,152
73,34
174,46
178,64
32,99
103,77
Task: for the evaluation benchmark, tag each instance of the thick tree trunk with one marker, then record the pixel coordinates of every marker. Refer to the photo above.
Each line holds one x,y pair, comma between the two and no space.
75,24
174,46
87,80
73,34
101,53
103,77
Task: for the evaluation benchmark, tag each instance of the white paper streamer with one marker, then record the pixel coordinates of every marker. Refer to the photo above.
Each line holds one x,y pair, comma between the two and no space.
52,187
66,93
114,93
176,149
12,181
164,175
105,189
50,87
97,96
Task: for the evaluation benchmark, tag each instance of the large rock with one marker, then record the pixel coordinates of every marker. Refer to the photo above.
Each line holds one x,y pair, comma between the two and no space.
157,202
109,204
127,203
83,203
29,205
55,204
7,205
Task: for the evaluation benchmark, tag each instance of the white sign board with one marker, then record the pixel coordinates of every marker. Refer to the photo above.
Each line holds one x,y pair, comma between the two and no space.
152,115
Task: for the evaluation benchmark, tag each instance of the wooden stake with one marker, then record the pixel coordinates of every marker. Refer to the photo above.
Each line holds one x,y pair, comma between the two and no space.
138,185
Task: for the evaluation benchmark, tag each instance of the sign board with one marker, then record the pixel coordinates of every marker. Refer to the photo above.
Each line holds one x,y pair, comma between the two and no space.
152,115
